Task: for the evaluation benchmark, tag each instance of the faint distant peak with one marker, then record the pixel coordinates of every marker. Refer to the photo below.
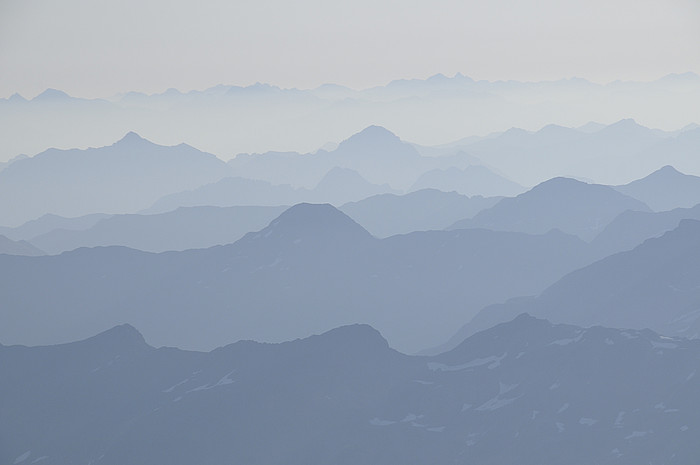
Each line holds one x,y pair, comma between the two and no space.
131,139
462,77
328,147
688,76
370,136
331,86
627,125
690,127
554,127
514,135
19,157
554,130
16,98
515,131
51,95
338,176
666,175
375,132
591,127
171,92
439,77
257,88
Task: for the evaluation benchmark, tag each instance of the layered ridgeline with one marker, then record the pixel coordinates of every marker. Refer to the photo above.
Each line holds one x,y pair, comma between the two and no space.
124,177
613,154
526,392
472,180
311,269
631,228
10,247
571,206
226,120
205,226
373,161
665,189
181,229
134,175
652,286
338,186
423,210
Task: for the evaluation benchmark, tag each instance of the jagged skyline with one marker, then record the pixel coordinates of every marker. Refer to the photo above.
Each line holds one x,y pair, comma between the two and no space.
97,49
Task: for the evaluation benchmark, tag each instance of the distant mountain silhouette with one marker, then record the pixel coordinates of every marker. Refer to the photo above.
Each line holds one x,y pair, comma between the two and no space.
665,189
341,185
430,111
10,247
571,206
631,228
5,164
47,223
181,229
385,215
377,154
473,180
591,127
228,192
652,286
52,95
311,269
124,177
338,186
345,397
603,154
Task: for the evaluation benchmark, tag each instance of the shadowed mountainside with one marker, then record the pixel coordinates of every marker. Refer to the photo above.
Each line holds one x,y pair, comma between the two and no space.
345,397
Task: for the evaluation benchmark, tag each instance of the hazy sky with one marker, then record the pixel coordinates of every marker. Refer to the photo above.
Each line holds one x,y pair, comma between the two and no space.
98,47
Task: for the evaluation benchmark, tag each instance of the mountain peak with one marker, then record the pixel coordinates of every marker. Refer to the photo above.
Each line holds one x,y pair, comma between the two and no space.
354,337
123,335
316,221
131,138
625,126
559,182
687,76
51,95
16,97
667,170
370,136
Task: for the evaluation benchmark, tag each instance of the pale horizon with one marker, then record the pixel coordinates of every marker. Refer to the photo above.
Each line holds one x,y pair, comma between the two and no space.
94,49
117,95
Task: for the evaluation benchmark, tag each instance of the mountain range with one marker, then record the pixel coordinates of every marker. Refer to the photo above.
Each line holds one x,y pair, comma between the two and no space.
651,286
10,247
125,177
472,180
571,206
526,392
226,119
181,229
386,215
665,189
313,268
135,175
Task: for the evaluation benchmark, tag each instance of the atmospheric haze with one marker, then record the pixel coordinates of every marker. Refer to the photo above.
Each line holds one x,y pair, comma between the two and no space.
331,233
